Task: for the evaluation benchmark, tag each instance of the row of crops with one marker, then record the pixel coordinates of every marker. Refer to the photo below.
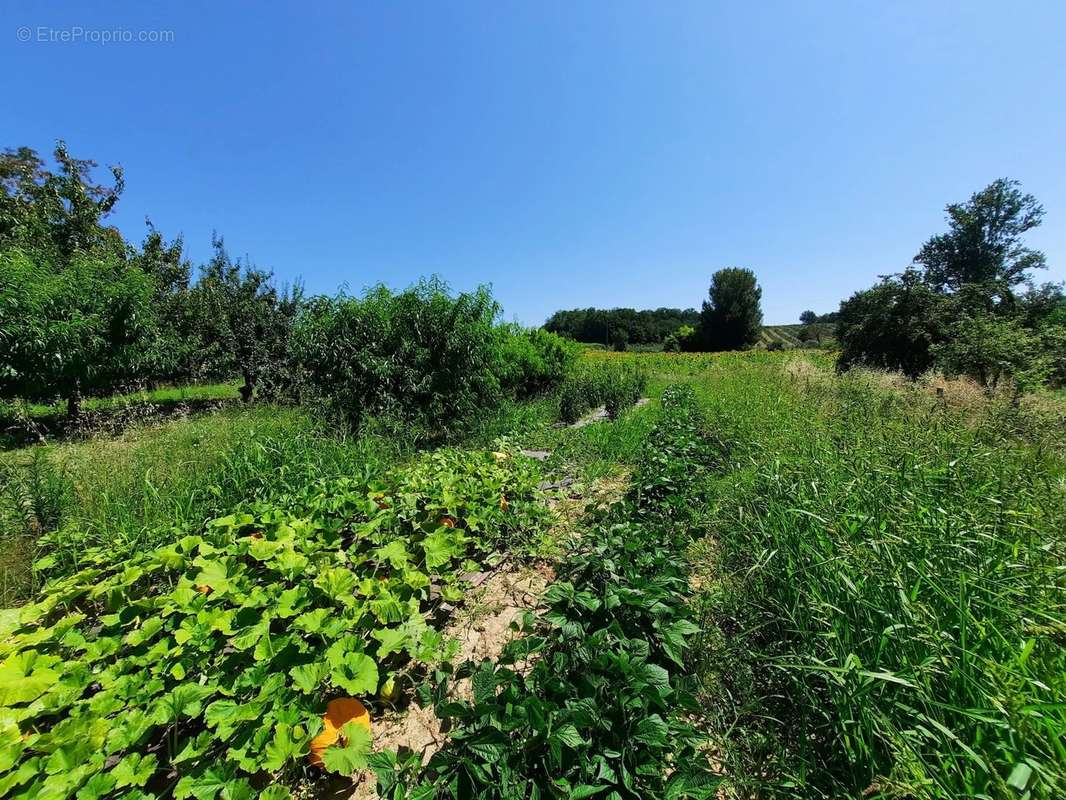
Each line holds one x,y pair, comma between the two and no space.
202,669
594,699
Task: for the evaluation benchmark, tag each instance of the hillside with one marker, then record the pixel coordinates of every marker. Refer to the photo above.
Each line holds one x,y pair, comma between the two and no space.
790,336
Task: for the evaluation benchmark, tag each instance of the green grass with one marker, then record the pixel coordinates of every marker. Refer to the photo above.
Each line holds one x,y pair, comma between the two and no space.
163,395
885,589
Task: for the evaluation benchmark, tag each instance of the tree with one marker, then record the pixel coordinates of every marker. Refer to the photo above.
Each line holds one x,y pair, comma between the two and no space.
983,244
86,328
178,346
941,310
243,321
808,317
53,215
684,339
990,348
731,316
891,326
422,356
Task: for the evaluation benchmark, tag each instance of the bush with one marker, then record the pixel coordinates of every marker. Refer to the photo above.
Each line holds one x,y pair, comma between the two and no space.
424,358
682,340
533,361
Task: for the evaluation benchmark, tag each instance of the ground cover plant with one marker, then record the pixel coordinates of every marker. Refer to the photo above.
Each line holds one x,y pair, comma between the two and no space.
604,710
202,668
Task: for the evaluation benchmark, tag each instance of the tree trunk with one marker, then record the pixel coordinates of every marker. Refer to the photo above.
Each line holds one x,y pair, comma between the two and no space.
247,389
74,402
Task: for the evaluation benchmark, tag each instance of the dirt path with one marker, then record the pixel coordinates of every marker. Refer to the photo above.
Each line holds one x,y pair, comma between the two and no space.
483,626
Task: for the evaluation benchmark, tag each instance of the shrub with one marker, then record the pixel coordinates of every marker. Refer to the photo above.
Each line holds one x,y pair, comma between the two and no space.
421,356
532,361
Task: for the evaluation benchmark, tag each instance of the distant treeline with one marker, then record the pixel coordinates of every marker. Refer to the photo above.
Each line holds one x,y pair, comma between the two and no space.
620,325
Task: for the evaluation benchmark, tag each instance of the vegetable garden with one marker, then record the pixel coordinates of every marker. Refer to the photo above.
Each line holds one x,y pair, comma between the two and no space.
808,586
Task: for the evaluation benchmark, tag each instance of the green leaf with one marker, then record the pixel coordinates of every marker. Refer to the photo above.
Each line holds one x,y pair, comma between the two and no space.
226,715
134,770
394,553
212,573
308,677
652,730
206,783
352,755
287,744
583,790
391,640
263,549
357,674
568,735
99,785
441,547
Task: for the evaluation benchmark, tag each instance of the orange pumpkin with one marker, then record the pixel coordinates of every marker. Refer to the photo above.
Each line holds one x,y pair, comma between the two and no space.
339,713
447,522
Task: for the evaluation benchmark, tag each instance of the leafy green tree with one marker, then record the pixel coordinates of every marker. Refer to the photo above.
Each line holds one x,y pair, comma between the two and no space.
892,326
989,349
732,315
983,244
244,322
808,317
54,215
178,344
86,328
939,312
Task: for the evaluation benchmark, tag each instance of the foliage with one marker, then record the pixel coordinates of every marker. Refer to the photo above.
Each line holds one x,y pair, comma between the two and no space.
957,307
86,327
683,339
533,361
989,348
892,326
52,216
202,666
134,493
615,386
603,709
983,244
731,316
609,326
885,588
422,357
244,323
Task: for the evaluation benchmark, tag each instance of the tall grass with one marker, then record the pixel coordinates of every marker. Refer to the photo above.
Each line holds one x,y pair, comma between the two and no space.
887,600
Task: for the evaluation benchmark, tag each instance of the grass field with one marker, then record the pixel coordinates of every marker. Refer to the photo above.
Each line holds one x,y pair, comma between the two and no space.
813,586
163,395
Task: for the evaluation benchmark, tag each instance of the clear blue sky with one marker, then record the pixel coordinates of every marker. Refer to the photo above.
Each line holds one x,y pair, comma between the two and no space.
569,153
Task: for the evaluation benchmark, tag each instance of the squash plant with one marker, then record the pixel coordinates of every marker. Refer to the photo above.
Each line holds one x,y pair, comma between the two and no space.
202,669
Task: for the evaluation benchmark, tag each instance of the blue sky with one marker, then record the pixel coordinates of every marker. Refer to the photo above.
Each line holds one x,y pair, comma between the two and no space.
568,153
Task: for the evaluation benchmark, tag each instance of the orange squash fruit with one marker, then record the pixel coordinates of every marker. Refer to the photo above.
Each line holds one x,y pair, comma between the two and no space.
339,713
